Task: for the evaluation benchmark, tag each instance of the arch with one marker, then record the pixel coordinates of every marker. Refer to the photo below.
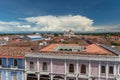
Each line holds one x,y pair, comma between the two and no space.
31,77
44,77
83,69
70,49
66,50
58,78
60,49
71,68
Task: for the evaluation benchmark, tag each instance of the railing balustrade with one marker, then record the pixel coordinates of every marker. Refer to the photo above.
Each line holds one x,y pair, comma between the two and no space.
74,56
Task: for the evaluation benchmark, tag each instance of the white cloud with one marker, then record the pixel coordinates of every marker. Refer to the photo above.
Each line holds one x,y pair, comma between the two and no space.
108,28
9,23
61,23
13,26
56,23
24,26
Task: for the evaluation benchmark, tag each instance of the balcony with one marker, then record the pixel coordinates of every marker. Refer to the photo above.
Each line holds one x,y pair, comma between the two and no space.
103,75
44,70
81,75
111,75
14,67
31,69
71,74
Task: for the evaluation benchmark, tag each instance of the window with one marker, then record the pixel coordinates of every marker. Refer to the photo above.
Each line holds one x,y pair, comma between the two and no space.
71,68
0,62
110,69
83,69
102,69
60,49
65,49
14,76
70,49
15,62
31,65
44,66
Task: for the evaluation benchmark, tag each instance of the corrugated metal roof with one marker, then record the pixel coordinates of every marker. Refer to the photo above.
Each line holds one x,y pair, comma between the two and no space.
110,49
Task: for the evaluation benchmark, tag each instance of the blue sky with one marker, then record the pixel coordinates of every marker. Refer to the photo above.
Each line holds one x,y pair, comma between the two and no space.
103,14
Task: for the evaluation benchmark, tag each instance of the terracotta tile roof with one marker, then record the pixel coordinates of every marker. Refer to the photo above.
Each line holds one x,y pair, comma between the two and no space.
13,52
53,46
115,36
93,48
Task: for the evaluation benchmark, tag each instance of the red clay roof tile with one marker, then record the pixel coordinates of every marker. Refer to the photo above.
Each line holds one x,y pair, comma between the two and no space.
13,52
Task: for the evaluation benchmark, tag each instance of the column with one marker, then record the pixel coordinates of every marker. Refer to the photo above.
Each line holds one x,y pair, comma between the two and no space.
77,70
118,69
99,70
38,76
65,64
115,69
107,71
38,65
25,65
89,66
25,76
51,76
6,74
25,70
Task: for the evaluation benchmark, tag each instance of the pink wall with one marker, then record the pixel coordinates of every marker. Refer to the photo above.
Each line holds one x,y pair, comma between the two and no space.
41,64
58,66
34,61
94,69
